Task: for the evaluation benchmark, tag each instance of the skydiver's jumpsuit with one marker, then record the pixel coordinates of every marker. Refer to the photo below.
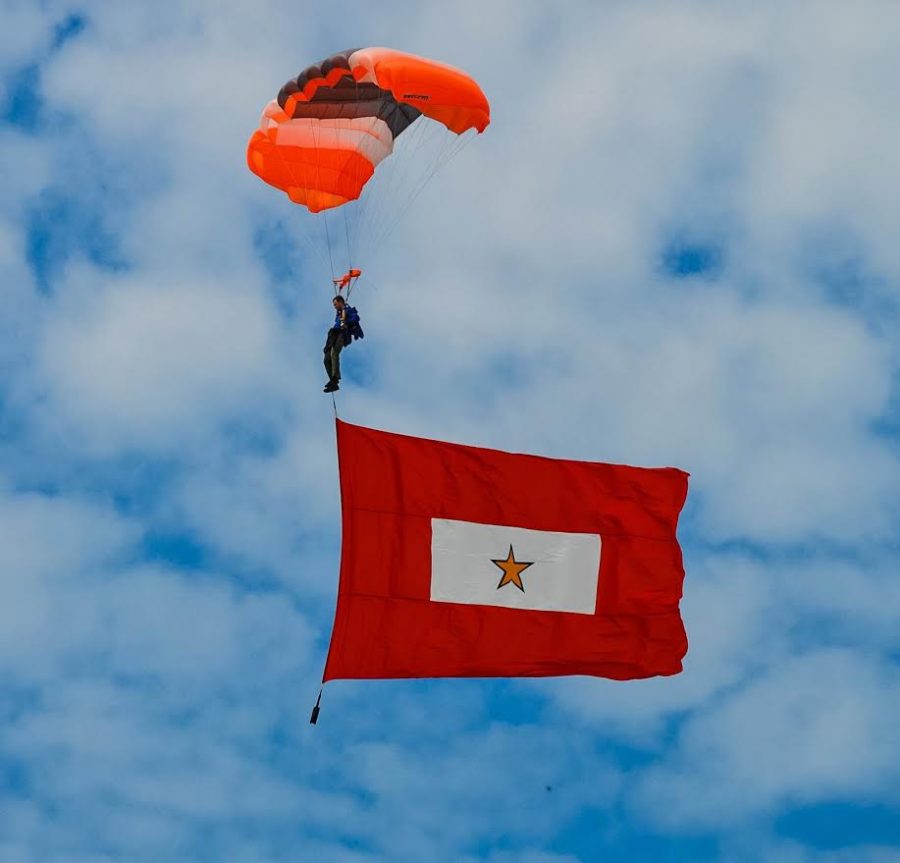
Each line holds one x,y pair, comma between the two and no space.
334,343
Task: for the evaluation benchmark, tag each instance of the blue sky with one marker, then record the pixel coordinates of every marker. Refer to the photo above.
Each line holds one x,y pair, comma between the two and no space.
675,244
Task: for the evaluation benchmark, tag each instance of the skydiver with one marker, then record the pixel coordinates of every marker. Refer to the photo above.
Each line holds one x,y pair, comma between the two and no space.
346,327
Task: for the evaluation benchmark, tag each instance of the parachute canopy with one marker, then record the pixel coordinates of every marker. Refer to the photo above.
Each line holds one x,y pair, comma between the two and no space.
322,138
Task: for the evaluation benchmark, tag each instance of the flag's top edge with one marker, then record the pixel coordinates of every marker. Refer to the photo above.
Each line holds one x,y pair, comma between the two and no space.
464,446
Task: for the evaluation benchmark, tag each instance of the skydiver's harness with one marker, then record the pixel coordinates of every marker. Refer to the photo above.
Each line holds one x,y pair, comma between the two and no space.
350,325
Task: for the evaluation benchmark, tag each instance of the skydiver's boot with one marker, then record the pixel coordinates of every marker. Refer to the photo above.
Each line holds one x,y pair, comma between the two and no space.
331,386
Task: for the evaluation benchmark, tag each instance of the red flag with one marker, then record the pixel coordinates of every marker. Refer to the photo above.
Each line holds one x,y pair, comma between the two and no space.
459,561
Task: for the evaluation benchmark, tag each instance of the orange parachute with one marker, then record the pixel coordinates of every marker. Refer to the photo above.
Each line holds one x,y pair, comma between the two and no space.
321,140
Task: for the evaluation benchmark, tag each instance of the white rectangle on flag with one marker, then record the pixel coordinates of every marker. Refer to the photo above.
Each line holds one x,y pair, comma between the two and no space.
561,575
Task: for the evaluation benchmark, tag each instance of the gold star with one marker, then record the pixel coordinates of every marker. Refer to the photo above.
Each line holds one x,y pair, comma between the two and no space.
512,570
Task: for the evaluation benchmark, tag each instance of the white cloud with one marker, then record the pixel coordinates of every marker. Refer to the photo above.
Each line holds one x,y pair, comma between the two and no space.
48,545
516,780
276,514
136,363
815,727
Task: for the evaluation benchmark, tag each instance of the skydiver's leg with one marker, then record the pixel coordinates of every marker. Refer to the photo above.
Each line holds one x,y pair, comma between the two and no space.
336,349
331,369
329,344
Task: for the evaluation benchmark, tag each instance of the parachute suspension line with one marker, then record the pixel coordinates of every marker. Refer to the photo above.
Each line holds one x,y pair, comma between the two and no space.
361,207
310,243
344,136
378,197
446,153
351,209
425,135
347,208
324,213
286,164
328,241
354,210
394,197
349,247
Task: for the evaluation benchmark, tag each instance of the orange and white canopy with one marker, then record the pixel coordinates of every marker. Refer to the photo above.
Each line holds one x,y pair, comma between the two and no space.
322,138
